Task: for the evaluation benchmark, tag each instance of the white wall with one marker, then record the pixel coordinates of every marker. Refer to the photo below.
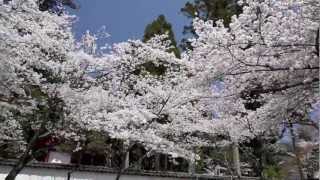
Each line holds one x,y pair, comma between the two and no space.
56,174
58,157
35,174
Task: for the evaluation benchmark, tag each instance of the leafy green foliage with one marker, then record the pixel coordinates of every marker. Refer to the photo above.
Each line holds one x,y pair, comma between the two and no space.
272,172
97,142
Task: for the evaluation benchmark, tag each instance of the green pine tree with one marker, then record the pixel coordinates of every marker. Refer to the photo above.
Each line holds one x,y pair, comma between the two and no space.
208,10
158,27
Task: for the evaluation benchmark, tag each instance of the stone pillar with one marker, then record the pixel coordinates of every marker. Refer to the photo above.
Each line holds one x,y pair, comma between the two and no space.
127,160
192,167
236,159
127,154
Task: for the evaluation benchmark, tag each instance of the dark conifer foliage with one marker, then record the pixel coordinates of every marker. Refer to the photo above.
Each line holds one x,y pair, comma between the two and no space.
56,6
208,10
158,27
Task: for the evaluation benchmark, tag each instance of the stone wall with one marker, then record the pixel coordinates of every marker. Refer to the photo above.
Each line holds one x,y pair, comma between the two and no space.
47,171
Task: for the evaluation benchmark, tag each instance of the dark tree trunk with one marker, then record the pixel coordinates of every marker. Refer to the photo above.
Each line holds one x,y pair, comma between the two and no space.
123,162
122,167
23,160
19,166
27,156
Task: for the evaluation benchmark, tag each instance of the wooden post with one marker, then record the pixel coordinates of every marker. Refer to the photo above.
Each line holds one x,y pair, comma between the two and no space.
165,162
157,162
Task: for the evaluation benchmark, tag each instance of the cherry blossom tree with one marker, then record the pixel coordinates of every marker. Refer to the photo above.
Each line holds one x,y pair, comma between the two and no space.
238,83
34,64
136,93
125,94
135,87
268,61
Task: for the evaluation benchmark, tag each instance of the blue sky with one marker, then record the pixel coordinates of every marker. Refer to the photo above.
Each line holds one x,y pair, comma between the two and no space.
126,19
